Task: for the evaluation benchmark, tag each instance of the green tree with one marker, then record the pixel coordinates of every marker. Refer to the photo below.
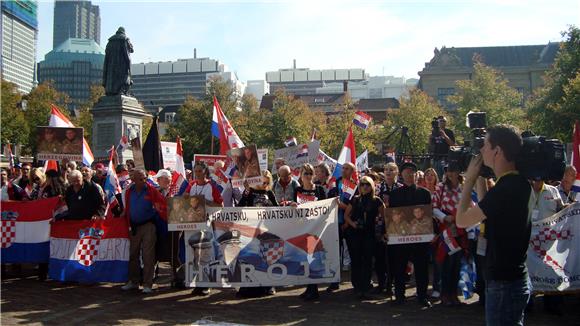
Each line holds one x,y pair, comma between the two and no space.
555,107
193,120
38,110
415,112
15,128
291,117
336,130
488,92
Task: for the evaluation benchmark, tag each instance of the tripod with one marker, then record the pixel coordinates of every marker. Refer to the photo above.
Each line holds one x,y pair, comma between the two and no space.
404,146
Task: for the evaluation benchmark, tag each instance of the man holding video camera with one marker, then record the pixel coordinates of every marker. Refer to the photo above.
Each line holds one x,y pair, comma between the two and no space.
505,209
439,141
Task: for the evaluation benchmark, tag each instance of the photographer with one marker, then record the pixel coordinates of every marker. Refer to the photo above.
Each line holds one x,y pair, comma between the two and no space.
439,141
505,211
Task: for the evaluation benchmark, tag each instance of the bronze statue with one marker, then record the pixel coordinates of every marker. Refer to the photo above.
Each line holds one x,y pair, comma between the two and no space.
117,67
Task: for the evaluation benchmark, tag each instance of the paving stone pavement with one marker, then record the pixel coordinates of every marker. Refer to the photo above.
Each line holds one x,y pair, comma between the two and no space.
28,301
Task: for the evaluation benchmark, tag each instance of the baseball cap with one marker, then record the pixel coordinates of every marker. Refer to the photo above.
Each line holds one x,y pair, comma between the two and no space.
163,173
409,165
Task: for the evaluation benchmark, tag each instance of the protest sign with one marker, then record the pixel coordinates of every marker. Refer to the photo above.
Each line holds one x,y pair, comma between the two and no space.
409,224
137,153
247,166
324,158
169,151
263,158
56,143
296,156
265,246
209,160
553,262
185,211
362,161
26,230
89,251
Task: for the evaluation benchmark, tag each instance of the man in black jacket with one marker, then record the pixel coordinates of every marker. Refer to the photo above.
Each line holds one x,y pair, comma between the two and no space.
85,200
418,253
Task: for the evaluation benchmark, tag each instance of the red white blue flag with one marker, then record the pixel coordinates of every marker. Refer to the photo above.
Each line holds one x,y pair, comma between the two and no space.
89,251
222,129
111,187
26,230
347,154
362,119
178,177
290,141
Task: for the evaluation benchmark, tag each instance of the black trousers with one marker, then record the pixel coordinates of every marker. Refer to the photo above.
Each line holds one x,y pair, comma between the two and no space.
360,248
418,254
380,255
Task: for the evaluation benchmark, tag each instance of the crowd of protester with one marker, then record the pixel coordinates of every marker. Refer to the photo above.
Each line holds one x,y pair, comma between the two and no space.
361,219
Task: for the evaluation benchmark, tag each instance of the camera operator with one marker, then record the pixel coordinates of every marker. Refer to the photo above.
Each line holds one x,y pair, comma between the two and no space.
505,209
439,141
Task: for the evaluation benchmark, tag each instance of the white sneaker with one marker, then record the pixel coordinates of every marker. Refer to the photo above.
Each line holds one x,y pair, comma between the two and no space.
435,294
147,290
129,286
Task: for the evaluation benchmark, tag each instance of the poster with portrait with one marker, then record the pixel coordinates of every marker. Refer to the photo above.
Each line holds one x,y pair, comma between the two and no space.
247,166
56,143
263,158
185,213
409,224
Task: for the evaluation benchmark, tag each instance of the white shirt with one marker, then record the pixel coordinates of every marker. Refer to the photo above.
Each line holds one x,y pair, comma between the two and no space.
547,202
205,190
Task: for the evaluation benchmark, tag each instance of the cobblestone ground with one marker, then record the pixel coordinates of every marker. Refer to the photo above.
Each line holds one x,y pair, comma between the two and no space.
29,301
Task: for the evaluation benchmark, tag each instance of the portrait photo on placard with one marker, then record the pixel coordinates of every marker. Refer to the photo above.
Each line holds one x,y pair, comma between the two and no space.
410,221
55,143
187,210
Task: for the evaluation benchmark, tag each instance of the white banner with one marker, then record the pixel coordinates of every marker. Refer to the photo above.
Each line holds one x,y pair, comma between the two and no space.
324,158
265,246
296,156
169,151
362,162
553,262
263,158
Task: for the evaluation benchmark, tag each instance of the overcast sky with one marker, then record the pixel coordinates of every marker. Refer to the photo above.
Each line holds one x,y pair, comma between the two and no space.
382,37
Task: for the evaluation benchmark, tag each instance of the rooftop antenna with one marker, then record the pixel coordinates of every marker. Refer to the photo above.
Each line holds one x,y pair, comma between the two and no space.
294,64
195,53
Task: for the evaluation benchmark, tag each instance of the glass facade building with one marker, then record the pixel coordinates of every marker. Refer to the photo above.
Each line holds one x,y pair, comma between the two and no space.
75,19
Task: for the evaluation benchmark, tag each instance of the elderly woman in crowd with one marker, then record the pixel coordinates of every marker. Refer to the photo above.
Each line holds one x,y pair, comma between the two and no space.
35,182
322,176
360,217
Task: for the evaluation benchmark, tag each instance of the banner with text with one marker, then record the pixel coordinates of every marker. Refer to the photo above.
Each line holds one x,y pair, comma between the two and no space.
169,150
264,246
553,262
296,156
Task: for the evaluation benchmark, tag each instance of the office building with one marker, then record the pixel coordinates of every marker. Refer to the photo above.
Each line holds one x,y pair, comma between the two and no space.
75,19
258,88
74,66
19,35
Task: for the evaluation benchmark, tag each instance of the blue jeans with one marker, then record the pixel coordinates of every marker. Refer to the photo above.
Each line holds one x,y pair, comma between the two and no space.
505,302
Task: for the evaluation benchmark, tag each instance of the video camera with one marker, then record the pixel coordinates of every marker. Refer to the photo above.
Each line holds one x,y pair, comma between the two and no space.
540,158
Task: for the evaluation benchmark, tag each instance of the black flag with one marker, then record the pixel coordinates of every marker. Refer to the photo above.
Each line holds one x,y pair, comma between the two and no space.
152,154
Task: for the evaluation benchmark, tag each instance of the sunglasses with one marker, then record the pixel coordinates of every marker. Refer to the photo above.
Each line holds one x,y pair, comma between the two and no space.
365,184
307,173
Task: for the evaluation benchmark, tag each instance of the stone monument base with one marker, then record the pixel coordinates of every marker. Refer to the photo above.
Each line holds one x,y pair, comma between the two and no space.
115,116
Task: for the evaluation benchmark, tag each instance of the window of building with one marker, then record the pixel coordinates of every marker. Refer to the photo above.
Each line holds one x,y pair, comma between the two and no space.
443,94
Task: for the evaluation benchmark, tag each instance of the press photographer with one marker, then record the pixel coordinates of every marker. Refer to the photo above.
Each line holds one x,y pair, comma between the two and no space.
508,225
440,140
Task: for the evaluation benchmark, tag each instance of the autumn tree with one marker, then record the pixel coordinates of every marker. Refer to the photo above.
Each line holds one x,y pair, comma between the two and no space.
15,128
415,112
487,91
556,106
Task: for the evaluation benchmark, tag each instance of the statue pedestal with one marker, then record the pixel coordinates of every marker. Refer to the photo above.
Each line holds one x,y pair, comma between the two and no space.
113,117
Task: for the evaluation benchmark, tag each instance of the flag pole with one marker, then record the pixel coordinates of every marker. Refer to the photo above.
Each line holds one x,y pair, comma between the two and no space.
211,147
